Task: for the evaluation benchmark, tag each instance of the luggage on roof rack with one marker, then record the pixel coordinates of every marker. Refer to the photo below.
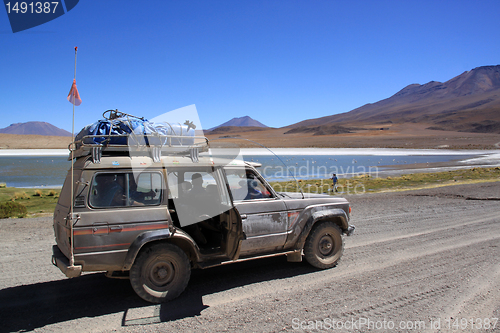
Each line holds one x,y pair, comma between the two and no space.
121,133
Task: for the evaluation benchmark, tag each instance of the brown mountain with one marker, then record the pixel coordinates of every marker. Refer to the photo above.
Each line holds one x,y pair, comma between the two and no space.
469,102
245,121
34,128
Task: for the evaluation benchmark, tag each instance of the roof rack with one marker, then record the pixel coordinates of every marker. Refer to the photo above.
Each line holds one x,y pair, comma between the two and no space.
131,135
153,145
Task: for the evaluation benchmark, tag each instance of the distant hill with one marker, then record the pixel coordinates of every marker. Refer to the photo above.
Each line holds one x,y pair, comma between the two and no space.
469,102
240,122
320,130
34,128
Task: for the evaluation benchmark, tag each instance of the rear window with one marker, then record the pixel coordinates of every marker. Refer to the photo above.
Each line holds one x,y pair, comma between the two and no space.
125,189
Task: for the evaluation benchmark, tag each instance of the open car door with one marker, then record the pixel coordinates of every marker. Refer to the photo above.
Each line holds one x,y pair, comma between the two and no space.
203,208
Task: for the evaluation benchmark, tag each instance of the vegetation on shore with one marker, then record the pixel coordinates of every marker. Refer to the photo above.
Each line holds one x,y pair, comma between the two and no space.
12,209
368,184
36,201
39,202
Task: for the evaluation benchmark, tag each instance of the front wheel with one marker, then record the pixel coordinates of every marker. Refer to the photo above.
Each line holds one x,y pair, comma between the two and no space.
160,273
324,245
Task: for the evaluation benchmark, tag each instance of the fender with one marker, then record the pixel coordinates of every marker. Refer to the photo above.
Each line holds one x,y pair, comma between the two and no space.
185,242
139,242
322,215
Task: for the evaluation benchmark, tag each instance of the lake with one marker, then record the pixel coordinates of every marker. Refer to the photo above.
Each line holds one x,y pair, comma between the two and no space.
304,163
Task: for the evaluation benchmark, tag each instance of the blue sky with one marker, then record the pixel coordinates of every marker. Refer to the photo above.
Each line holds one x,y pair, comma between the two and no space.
278,62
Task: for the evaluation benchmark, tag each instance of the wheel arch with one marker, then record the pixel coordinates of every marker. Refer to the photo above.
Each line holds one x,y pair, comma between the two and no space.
149,238
337,216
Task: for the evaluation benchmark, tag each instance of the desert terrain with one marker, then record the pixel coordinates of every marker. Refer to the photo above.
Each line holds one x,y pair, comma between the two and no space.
405,135
18,141
419,261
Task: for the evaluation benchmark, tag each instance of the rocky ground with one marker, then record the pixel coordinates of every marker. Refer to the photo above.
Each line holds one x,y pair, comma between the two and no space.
419,261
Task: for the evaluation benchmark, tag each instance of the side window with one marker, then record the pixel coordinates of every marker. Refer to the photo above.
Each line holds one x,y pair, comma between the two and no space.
202,183
196,194
194,183
246,185
146,189
123,189
174,185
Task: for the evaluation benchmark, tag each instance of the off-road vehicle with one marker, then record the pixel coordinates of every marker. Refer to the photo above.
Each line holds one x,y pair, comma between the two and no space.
153,210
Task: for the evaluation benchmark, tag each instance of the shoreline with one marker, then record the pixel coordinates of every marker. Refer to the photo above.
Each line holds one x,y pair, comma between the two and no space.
367,151
451,160
44,204
299,151
34,152
461,159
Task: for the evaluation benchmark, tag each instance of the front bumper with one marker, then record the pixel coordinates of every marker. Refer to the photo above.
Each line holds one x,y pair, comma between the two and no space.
350,230
60,260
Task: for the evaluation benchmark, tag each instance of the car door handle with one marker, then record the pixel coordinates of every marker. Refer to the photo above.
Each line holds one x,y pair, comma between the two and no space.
243,216
116,228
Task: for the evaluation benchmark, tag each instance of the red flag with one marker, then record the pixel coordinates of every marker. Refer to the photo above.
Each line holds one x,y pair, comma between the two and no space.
74,96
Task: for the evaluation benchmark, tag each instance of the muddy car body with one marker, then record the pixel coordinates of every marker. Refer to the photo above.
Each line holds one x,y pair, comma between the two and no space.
140,217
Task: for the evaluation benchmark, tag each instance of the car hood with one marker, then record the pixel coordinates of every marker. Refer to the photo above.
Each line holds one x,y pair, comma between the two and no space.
299,195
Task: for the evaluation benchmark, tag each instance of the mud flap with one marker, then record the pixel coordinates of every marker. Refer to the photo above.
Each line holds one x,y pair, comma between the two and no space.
295,256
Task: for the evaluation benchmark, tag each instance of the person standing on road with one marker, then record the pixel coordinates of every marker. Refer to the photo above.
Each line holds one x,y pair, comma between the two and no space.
334,185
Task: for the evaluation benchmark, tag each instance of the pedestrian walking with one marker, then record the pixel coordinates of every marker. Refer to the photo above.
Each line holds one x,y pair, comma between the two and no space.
335,180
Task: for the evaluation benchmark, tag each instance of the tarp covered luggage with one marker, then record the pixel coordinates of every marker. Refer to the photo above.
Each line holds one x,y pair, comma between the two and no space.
126,131
120,132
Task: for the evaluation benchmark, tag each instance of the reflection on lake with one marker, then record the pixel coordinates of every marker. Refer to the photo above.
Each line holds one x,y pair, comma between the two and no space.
50,171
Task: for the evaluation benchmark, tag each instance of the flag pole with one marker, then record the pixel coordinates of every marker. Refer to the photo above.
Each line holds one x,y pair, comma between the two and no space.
72,256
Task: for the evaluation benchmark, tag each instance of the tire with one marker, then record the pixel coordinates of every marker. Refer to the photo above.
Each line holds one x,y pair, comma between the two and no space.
160,273
324,245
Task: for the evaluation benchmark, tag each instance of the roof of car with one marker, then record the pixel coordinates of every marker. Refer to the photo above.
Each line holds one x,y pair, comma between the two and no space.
142,162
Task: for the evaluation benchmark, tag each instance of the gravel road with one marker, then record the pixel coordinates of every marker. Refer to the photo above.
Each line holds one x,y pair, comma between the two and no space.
419,261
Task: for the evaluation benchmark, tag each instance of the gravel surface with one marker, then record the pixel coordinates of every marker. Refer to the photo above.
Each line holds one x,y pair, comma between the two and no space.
419,261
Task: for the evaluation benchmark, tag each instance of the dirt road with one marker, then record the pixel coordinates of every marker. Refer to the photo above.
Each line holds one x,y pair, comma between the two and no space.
419,261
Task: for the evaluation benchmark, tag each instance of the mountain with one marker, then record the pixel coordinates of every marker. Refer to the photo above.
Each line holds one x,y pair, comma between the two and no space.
469,102
34,127
241,122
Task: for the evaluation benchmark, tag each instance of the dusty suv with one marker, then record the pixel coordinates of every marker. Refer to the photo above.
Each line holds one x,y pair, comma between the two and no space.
153,219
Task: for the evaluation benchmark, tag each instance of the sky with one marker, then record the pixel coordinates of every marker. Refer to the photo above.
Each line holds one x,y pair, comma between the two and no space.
277,61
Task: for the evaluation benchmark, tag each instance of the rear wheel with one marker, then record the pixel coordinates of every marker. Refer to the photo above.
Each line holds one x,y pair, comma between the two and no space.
160,273
324,245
